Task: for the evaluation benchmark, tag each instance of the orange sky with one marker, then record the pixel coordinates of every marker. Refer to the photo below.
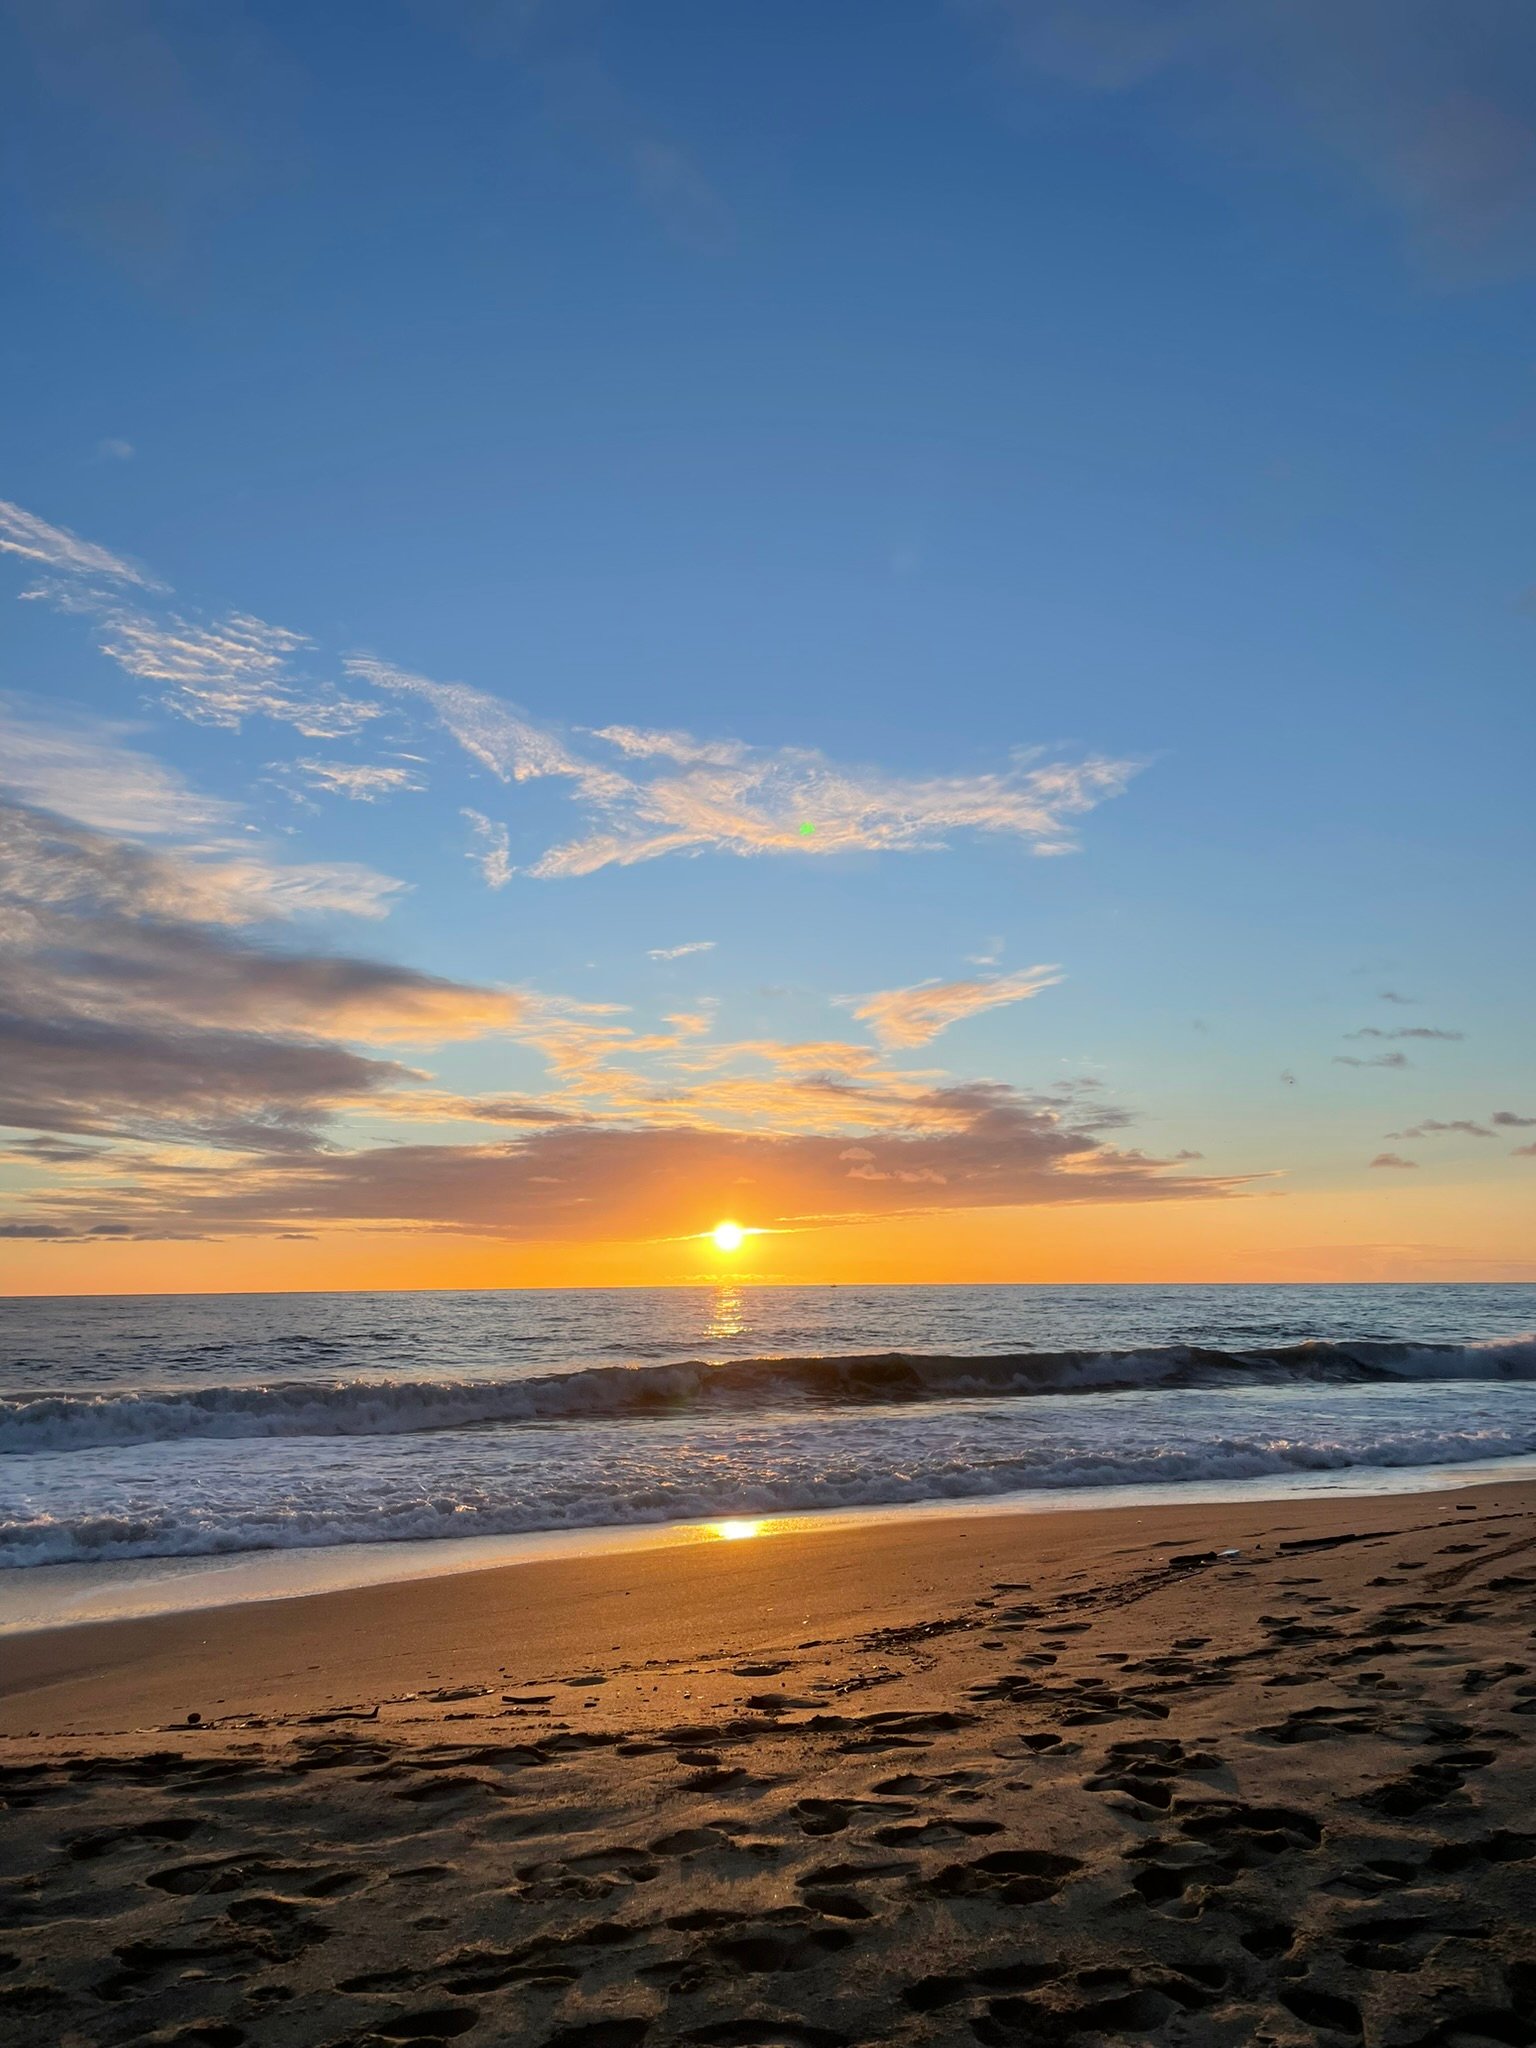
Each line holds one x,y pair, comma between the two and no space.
1447,1232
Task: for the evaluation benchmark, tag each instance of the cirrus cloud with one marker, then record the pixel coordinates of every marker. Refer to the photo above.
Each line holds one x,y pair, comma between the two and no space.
722,796
913,1016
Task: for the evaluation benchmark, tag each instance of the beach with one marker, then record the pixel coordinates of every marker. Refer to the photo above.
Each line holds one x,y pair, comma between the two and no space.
1254,1771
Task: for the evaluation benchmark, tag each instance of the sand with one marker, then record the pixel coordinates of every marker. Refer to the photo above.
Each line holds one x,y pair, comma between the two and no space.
1067,1778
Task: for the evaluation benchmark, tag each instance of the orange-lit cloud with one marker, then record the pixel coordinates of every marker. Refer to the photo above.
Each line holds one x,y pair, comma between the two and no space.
912,1016
726,797
604,1183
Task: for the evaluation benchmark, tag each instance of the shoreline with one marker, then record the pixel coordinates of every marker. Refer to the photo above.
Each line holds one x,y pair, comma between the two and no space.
39,1598
320,1650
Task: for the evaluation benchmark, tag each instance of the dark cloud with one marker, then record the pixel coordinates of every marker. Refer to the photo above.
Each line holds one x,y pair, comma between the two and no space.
1432,1128
1380,1059
129,1007
48,1151
1408,1031
1507,1120
1393,1159
63,1233
236,1090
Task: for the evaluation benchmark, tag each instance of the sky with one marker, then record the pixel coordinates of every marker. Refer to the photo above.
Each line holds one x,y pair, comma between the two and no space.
907,626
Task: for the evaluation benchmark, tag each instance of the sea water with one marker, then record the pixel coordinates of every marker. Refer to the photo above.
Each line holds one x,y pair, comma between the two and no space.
207,1427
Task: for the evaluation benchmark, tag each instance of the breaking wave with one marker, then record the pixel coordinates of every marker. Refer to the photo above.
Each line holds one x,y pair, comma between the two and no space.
682,1491
379,1407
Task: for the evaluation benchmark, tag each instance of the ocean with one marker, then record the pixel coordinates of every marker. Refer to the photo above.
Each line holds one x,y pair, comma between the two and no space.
203,1427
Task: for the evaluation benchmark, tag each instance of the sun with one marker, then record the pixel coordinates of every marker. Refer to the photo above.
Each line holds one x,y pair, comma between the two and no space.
728,1237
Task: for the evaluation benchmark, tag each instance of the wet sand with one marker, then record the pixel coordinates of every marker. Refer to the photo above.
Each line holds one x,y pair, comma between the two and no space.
1008,1779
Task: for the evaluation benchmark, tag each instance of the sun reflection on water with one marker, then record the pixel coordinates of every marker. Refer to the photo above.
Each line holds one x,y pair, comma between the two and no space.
727,1317
733,1532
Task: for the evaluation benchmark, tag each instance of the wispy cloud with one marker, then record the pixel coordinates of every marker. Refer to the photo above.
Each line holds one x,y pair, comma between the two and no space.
1409,1031
1433,1128
726,797
510,745
913,1016
361,781
1380,1059
674,794
680,952
494,858
1394,1159
222,673
1392,995
55,547
671,746
93,776
239,668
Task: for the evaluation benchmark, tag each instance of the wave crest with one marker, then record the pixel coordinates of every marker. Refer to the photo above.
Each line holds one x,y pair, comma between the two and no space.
379,1407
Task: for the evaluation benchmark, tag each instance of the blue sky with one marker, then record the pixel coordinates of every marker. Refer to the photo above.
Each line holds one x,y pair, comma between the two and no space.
1010,428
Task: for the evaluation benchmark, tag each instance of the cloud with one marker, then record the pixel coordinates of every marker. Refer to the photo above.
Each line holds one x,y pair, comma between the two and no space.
1409,1031
48,859
1394,1159
1391,995
679,952
238,1091
362,781
726,797
913,1016
589,1183
1381,1059
239,668
671,746
499,738
674,794
692,1023
92,776
133,1007
1431,1128
1523,1152
1507,1120
115,450
55,547
221,674
130,1006
495,859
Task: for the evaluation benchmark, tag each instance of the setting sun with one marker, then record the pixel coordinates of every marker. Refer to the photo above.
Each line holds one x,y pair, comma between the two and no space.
728,1237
